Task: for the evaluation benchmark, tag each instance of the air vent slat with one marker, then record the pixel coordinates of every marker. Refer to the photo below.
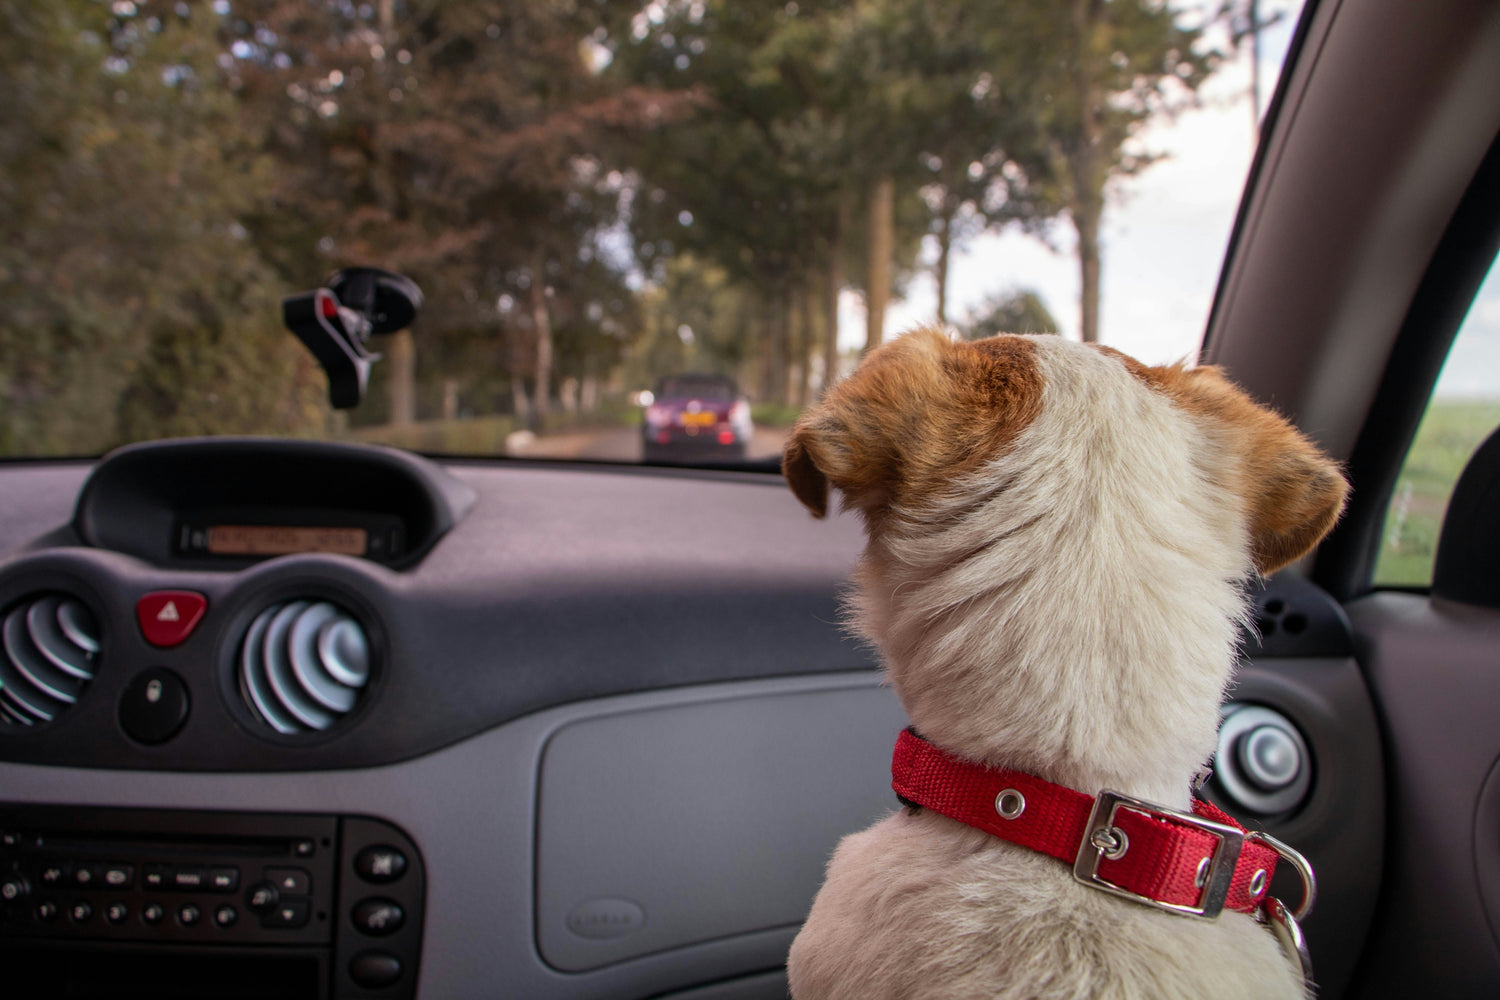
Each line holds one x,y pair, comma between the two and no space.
27,657
253,680
345,652
44,625
74,620
303,665
49,645
314,677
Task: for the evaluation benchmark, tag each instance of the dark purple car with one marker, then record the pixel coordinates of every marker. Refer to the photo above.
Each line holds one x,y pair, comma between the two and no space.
697,416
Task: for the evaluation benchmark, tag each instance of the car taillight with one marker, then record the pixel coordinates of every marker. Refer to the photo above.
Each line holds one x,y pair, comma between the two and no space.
726,437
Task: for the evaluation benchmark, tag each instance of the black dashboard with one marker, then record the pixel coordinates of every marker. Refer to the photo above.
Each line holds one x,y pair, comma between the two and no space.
605,716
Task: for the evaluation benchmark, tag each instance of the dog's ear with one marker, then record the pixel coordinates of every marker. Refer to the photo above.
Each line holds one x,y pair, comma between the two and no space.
919,411
852,438
1294,493
803,475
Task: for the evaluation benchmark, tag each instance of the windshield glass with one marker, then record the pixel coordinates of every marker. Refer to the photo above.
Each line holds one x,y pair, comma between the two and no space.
587,208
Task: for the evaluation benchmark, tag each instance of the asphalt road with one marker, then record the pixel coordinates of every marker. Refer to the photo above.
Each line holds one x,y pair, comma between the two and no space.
620,444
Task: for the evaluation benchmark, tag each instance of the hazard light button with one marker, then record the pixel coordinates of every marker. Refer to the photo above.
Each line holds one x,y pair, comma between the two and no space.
168,617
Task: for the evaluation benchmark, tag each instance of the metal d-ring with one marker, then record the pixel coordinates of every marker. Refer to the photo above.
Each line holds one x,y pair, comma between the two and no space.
1299,864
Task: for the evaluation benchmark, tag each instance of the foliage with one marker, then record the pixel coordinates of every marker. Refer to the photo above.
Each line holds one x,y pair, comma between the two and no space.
116,148
1450,432
589,193
1012,312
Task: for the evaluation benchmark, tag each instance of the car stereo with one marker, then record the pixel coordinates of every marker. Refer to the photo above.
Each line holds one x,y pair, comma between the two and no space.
101,902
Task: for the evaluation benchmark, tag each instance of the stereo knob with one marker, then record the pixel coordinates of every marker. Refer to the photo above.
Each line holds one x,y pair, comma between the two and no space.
15,887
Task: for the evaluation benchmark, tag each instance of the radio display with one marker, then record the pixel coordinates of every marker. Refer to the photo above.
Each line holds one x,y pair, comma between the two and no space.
277,540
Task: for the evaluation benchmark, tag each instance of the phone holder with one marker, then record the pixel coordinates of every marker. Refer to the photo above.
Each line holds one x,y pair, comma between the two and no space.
337,321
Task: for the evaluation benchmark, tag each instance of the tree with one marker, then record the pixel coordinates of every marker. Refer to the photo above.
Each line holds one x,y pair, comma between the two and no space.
1020,311
1124,62
452,142
136,305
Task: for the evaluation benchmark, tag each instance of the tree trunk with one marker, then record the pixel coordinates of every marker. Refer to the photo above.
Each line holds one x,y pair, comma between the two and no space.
945,244
807,344
833,284
1087,202
401,350
541,322
882,250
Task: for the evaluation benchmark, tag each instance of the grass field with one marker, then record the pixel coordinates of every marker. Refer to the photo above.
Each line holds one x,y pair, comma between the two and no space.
1448,435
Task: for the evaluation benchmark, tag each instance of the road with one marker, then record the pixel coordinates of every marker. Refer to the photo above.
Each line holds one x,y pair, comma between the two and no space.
619,444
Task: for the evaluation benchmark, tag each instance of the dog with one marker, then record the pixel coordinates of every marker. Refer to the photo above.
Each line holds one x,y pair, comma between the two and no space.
1058,538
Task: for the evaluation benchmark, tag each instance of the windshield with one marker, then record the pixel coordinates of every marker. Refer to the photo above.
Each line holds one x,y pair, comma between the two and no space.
583,204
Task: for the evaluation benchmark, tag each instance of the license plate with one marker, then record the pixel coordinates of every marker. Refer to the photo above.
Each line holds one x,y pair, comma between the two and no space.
698,419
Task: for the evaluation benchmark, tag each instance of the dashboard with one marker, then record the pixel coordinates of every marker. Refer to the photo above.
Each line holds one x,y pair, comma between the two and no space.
566,731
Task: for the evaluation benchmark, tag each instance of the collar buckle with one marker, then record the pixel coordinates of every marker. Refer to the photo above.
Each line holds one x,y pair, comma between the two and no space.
1101,839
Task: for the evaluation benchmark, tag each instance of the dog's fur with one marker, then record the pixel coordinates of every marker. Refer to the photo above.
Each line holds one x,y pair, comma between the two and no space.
1058,537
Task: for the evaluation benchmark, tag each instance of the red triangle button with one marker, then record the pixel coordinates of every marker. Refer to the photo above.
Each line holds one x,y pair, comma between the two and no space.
168,617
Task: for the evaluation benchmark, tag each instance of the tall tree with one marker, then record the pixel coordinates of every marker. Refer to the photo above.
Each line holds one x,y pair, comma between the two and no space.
1123,63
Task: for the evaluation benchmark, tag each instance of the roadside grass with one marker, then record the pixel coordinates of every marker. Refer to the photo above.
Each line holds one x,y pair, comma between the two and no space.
1449,433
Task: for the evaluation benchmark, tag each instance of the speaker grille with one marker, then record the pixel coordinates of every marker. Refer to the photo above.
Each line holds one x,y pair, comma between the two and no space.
50,652
303,665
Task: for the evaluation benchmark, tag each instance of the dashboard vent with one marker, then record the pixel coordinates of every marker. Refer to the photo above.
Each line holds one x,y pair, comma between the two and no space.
303,665
50,651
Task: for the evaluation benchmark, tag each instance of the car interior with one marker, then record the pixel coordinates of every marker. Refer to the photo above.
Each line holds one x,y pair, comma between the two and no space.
569,729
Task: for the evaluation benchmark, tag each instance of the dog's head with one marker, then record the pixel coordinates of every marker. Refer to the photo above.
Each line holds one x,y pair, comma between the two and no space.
1057,531
925,412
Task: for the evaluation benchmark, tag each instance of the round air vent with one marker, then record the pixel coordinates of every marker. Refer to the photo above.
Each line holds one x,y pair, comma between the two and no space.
303,665
50,651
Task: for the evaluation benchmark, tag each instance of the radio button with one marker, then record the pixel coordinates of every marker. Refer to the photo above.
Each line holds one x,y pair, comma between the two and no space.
374,969
46,910
289,881
226,915
85,875
54,874
380,863
116,913
187,879
262,897
81,912
378,917
154,876
223,879
292,913
152,913
118,876
188,914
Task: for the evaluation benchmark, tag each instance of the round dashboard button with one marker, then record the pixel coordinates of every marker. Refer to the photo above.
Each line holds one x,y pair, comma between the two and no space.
380,863
374,969
152,913
154,706
378,917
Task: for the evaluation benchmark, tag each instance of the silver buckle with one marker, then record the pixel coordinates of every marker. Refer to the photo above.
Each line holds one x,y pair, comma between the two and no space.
1100,834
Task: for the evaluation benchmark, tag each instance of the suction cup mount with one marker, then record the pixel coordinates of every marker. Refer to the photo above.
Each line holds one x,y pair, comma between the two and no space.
336,322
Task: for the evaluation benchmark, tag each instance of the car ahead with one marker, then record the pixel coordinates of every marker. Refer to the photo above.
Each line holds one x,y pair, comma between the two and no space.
696,416
293,718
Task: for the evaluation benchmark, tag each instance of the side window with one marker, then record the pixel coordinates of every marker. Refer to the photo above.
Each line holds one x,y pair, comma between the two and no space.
1464,409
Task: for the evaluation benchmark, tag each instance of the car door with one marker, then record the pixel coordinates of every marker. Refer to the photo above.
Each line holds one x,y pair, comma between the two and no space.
1371,220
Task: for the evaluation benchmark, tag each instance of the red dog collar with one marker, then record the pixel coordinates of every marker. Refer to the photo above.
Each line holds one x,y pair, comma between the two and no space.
1195,864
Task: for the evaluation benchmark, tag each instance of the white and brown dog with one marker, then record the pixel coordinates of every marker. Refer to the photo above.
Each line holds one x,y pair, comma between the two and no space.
1058,537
